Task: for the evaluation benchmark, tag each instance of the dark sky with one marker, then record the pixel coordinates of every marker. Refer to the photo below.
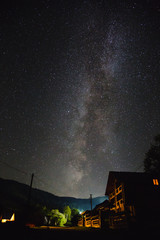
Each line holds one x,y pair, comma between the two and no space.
79,91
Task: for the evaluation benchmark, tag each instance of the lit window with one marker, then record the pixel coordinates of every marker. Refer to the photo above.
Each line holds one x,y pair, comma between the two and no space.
155,182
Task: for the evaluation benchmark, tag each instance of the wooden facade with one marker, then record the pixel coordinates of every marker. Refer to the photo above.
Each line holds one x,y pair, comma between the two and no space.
134,199
89,220
96,218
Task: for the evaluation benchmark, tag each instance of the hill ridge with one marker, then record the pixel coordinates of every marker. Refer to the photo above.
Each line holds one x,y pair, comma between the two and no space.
15,195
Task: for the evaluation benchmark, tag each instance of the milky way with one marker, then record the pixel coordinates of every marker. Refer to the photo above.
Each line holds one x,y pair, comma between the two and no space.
80,91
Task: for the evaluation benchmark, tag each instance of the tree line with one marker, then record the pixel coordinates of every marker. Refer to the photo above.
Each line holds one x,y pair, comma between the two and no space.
41,215
152,157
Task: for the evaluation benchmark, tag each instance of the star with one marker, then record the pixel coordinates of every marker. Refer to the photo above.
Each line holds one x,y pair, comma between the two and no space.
79,91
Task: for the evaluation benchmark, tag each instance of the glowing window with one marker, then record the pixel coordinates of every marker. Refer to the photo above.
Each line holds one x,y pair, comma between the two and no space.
155,182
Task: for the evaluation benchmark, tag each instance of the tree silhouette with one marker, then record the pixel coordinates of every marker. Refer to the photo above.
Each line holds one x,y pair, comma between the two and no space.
67,213
152,158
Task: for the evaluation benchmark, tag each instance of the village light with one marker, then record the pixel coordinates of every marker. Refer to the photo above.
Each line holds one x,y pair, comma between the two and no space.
80,211
12,219
155,182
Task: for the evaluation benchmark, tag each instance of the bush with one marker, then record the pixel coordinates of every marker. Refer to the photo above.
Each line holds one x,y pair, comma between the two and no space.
57,218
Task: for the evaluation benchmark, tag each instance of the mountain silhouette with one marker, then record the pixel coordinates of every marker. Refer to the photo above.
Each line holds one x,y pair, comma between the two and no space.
14,195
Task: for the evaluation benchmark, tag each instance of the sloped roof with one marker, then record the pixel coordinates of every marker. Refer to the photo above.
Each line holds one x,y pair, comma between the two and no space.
102,205
86,212
128,178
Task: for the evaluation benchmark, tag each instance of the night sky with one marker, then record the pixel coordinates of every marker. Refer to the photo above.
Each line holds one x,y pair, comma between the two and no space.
79,91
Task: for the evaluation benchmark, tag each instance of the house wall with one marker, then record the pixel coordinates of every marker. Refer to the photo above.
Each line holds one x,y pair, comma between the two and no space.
90,221
122,212
117,198
134,202
134,199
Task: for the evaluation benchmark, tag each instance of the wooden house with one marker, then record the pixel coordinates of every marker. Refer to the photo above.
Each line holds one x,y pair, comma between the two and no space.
95,218
134,199
85,220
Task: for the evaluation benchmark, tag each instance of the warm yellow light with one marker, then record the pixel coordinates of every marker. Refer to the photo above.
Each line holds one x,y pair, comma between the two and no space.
13,217
155,182
4,220
9,220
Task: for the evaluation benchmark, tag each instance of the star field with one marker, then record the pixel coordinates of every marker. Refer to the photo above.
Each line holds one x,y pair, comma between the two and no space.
79,91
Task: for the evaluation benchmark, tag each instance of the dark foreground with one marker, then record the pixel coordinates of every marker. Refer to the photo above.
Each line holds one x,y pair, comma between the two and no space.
48,233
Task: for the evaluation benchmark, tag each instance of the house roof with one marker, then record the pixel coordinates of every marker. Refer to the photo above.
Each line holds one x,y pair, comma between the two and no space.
128,178
102,205
86,212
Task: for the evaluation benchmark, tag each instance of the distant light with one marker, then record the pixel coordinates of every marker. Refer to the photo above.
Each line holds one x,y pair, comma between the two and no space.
4,220
81,211
9,220
155,182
